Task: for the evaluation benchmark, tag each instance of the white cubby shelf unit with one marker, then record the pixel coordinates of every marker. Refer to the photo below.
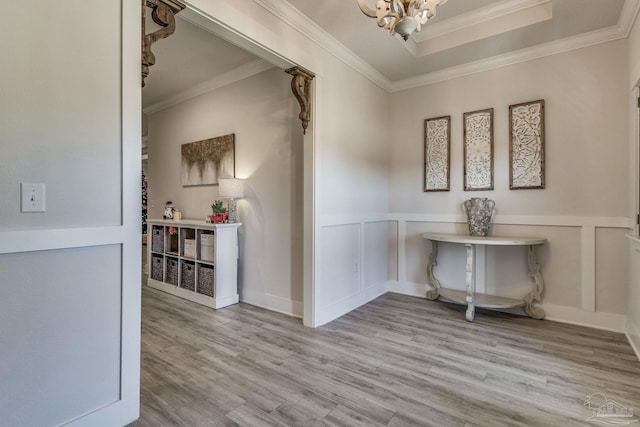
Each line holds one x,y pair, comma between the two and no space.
194,260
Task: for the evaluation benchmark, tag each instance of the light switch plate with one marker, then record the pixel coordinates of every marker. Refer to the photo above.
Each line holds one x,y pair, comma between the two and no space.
33,197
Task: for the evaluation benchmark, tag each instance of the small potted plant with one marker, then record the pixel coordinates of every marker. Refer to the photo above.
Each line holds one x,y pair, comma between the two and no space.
219,212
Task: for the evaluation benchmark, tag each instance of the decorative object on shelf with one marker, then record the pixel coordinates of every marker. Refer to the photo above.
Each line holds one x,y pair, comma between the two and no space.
479,211
168,210
204,161
219,212
437,149
163,13
301,87
526,145
401,16
177,215
232,189
478,150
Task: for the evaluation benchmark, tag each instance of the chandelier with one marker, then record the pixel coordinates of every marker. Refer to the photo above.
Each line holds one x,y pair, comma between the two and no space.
401,16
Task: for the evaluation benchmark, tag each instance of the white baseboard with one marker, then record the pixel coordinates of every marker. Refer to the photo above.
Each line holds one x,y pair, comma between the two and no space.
633,335
558,313
408,288
342,307
576,316
272,302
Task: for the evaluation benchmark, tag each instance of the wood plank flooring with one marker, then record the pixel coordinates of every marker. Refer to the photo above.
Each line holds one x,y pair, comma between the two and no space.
397,361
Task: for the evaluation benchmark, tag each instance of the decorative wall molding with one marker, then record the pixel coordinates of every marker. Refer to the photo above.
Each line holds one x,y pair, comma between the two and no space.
240,73
163,13
478,24
633,321
305,26
293,17
470,19
540,51
59,238
560,221
585,315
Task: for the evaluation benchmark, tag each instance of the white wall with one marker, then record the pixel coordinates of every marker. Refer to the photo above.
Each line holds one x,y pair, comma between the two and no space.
353,191
345,171
583,211
262,113
633,320
70,277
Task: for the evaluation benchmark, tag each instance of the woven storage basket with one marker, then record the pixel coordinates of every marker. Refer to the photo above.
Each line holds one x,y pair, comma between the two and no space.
188,275
156,267
172,271
206,280
157,239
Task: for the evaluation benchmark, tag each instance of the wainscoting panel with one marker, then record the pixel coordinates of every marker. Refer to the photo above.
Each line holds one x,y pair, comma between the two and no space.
375,254
60,329
339,264
585,282
633,318
354,264
581,285
611,268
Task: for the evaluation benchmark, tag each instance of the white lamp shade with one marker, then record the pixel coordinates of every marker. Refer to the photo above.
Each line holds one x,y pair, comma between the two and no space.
231,188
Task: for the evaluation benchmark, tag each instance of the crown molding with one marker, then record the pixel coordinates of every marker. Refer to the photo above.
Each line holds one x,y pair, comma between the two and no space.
547,49
235,75
284,11
466,20
305,26
628,16
479,24
616,32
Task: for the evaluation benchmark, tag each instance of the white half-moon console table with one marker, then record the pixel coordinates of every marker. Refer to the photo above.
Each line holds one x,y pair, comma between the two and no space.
470,297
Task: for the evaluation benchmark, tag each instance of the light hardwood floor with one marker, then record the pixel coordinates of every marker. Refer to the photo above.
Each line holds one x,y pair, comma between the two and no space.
397,361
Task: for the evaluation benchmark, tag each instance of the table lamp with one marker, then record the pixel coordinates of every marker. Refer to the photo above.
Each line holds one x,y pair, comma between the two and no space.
232,189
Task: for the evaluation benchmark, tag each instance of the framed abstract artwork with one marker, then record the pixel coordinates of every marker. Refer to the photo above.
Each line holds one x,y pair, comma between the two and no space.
478,150
526,145
203,162
437,150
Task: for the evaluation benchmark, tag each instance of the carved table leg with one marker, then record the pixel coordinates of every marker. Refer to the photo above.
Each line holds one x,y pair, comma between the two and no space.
470,282
434,293
534,272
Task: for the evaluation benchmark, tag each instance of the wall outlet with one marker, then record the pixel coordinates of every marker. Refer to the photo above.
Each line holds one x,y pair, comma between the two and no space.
33,197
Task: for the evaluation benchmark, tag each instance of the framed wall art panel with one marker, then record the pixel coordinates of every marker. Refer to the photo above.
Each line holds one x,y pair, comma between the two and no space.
526,145
437,153
203,162
478,150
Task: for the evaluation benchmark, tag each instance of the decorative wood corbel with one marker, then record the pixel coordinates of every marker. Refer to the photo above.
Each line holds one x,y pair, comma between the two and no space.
163,14
301,86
